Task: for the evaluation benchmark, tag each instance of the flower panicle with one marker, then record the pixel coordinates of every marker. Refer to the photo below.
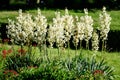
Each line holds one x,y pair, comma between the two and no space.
95,41
105,21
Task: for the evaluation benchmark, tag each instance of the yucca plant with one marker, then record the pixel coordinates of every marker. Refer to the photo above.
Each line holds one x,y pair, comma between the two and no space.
105,22
90,69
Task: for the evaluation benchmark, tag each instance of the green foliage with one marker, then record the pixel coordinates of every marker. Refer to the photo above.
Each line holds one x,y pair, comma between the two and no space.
1,74
17,61
23,65
85,68
79,67
51,71
17,2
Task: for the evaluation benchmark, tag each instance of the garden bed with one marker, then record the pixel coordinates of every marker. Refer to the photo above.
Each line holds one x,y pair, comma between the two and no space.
44,51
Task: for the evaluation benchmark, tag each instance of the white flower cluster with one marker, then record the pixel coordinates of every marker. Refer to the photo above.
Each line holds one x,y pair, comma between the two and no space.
78,32
29,28
55,31
40,28
60,31
25,29
105,21
83,29
51,35
88,25
68,25
21,30
95,41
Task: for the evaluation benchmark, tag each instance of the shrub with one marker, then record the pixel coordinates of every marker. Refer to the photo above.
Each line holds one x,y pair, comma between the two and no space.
51,71
22,59
78,68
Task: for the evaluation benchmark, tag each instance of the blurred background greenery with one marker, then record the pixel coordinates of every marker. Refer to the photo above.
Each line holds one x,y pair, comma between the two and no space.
70,4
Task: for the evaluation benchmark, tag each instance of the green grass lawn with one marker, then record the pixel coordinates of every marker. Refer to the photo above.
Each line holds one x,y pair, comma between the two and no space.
4,15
